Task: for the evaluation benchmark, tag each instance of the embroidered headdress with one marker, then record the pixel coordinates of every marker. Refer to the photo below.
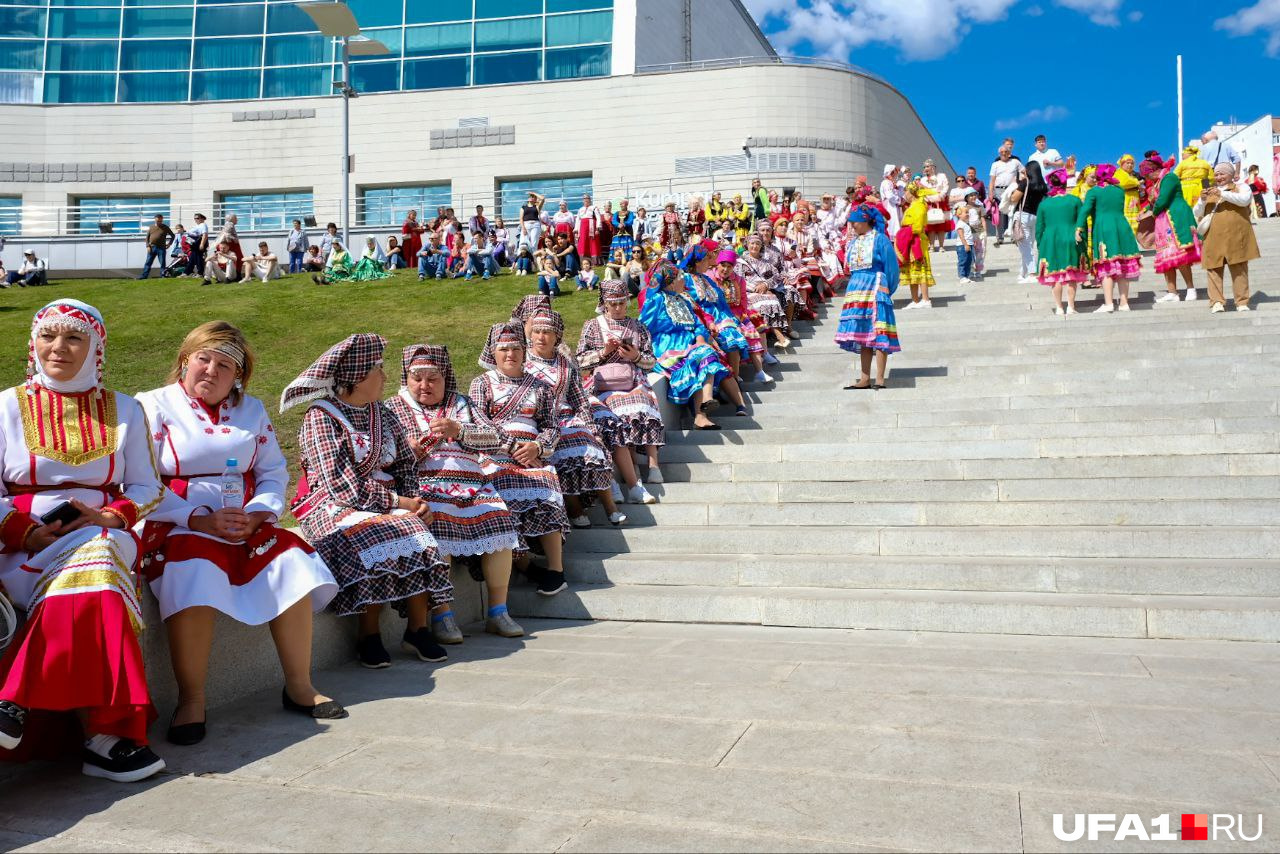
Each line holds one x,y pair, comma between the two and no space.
727,256
345,363
697,252
612,290
83,318
1106,174
427,357
1057,182
528,306
501,336
662,274
548,319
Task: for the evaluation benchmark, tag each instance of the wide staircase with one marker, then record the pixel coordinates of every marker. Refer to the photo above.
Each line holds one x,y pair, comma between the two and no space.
1103,475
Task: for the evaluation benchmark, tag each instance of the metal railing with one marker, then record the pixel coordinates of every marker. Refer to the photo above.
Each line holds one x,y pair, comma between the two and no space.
746,61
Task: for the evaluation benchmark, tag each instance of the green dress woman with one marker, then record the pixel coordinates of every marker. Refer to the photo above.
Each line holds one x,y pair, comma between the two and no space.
369,269
1117,260
1177,243
1064,260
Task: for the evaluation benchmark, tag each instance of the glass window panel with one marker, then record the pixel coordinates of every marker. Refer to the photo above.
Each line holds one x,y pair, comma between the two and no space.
155,55
297,50
432,41
434,11
127,214
579,62
265,211
513,194
142,88
229,20
297,82
82,56
157,2
224,85
79,88
228,53
391,38
376,13
389,205
19,88
376,76
84,23
508,68
509,35
579,29
576,5
157,22
21,55
10,214
507,8
446,73
288,18
22,22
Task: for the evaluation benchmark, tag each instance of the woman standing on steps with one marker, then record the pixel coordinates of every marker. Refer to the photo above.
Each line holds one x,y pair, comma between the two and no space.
867,323
1177,243
1117,260
1063,260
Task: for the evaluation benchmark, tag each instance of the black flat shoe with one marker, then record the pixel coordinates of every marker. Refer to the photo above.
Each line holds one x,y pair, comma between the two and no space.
329,710
706,426
709,407
185,735
856,387
877,386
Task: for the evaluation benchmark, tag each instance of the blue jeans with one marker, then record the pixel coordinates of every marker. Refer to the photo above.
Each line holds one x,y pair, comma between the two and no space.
569,266
964,262
524,264
295,261
154,253
483,264
431,265
548,285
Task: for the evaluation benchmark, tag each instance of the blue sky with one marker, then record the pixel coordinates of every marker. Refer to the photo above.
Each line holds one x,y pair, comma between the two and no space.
1096,76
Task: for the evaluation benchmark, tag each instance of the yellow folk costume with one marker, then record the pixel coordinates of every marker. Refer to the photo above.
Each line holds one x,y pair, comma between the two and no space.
1193,171
1132,191
913,249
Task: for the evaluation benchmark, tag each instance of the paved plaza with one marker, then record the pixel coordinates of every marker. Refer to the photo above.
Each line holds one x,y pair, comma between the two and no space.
796,660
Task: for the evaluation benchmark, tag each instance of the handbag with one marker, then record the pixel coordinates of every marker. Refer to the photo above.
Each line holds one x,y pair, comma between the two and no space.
1203,223
1018,231
935,216
612,376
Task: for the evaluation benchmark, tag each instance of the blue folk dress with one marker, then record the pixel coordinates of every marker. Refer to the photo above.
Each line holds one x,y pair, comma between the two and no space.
867,319
712,301
675,327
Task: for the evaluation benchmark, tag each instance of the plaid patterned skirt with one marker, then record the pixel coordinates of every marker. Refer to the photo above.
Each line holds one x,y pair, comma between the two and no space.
636,418
532,495
581,463
378,558
469,517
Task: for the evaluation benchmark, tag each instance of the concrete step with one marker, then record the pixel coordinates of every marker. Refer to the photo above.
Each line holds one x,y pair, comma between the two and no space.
801,515
1090,615
1221,577
1135,541
843,471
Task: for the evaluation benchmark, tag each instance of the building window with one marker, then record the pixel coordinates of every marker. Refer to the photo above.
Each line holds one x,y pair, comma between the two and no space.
511,34
265,211
155,23
82,56
297,82
157,55
125,214
434,41
84,23
587,28
577,5
508,67
388,205
26,55
579,62
244,20
79,88
151,88
513,194
22,22
224,85
445,73
10,214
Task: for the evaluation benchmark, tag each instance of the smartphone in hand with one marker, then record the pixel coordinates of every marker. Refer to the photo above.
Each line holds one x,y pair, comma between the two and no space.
66,513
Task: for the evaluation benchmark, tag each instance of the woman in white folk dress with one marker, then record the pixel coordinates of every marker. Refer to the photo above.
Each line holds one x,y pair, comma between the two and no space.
204,557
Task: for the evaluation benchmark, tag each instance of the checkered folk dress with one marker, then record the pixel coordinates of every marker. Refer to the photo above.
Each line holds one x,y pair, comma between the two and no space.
522,410
355,462
580,459
469,517
635,412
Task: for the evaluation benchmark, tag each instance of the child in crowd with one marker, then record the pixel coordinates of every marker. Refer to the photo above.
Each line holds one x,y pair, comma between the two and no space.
549,278
724,234
313,261
613,270
566,256
457,264
395,255
499,238
587,278
977,221
524,258
964,245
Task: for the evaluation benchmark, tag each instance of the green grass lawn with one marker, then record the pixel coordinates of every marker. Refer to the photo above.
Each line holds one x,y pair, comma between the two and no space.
288,322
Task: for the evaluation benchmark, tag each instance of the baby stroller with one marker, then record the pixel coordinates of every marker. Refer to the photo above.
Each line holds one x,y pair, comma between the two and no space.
177,265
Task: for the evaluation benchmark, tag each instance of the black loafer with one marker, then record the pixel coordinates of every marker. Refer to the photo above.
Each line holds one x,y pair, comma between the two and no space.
329,710
185,735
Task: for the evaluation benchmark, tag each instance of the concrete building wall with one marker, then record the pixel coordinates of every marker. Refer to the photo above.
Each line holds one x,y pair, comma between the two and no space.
718,29
623,156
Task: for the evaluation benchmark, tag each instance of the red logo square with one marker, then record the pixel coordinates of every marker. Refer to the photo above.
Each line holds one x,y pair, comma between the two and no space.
1195,826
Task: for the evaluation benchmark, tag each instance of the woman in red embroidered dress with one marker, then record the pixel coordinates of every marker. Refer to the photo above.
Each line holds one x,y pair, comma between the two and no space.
78,474
207,557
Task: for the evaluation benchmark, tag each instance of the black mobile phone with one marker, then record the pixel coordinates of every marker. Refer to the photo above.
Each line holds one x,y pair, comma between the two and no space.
66,513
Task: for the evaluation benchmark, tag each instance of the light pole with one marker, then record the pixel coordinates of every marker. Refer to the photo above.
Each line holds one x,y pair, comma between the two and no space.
336,21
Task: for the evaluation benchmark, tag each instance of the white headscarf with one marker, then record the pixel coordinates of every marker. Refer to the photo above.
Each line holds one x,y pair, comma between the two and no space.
82,317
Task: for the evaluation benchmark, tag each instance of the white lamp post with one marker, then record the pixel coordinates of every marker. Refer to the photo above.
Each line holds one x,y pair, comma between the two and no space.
336,20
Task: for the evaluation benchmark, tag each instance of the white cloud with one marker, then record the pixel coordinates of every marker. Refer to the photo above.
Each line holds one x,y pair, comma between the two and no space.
921,29
1262,17
1038,116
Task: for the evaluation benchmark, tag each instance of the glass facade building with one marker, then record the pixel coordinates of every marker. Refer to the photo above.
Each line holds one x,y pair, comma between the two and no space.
130,51
512,195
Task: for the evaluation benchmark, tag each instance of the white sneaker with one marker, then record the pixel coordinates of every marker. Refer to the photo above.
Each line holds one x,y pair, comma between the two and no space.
1057,309
617,492
1168,297
1025,280
1124,306
924,303
763,378
580,521
1071,310
909,306
640,495
655,475
1242,307
616,518
770,359
1217,307
1105,308
1191,295
962,282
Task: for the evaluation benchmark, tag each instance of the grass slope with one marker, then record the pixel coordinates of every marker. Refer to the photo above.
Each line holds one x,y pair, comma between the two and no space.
288,322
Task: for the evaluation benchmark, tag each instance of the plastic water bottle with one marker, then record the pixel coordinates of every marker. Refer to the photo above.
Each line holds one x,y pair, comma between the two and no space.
233,485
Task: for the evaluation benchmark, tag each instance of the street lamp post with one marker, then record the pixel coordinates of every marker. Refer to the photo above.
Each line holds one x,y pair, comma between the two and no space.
336,20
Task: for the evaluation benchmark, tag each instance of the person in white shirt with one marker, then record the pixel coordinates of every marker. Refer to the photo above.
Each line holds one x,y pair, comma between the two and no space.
1004,172
1048,158
34,271
198,234
890,199
264,265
